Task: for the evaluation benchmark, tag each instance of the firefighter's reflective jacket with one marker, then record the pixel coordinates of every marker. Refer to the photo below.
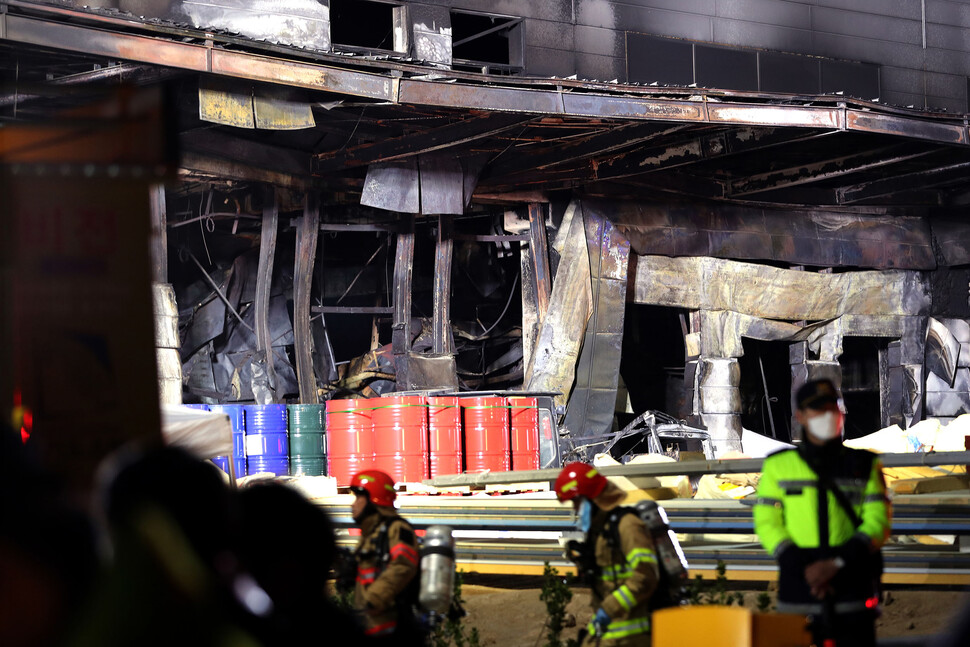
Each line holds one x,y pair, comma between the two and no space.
387,561
627,575
799,527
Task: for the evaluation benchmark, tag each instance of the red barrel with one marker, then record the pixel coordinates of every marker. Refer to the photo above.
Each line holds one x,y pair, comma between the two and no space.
444,436
525,434
487,443
350,438
401,437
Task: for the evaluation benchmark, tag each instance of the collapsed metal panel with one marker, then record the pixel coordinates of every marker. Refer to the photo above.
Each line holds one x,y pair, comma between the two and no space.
801,237
772,293
593,401
304,23
570,304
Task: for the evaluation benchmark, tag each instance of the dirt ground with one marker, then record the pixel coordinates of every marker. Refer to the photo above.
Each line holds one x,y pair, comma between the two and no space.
509,615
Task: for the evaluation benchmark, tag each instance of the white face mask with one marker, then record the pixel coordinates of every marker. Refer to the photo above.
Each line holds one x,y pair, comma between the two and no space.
824,427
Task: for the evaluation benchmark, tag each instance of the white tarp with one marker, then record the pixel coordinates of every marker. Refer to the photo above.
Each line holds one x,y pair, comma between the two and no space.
754,445
925,436
202,433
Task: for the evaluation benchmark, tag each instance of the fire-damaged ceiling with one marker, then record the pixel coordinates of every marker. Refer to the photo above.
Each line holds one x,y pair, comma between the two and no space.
535,136
386,144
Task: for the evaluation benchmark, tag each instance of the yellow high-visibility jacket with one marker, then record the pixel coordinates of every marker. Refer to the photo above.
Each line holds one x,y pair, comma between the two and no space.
796,527
628,575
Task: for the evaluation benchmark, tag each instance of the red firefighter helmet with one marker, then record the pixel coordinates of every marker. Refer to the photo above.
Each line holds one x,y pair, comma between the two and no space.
579,479
378,486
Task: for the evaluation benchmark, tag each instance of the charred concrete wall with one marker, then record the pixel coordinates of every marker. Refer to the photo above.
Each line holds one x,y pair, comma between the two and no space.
919,47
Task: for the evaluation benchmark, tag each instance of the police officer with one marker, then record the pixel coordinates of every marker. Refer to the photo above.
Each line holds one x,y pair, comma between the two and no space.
620,555
823,512
387,559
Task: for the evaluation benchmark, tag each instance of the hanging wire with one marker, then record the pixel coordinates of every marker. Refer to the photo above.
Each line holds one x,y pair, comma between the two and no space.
202,227
515,284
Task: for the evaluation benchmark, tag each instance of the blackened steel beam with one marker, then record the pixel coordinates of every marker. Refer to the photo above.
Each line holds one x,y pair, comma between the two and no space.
681,184
539,258
401,326
909,181
711,146
336,226
911,127
455,134
600,143
159,240
167,48
211,166
264,280
354,310
637,161
198,58
826,169
266,156
441,322
492,238
307,233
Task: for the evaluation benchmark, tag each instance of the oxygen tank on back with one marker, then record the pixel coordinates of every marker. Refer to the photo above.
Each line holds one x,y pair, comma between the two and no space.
437,569
671,590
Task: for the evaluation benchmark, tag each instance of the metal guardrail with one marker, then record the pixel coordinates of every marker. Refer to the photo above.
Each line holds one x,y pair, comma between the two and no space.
687,516
685,468
516,535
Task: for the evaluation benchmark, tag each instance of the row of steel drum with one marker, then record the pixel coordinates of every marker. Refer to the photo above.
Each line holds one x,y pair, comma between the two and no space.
412,438
279,439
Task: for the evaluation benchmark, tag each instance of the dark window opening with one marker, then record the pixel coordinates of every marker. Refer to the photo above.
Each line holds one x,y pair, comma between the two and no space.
765,388
659,60
358,23
652,364
728,69
481,38
343,279
860,384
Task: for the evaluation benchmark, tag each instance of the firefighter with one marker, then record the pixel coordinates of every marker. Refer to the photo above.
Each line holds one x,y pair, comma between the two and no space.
387,560
618,557
823,512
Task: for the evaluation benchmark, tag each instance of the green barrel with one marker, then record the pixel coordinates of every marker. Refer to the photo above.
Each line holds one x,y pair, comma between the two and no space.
308,444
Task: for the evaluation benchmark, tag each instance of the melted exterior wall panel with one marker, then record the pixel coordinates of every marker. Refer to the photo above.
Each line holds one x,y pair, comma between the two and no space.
699,283
805,237
559,34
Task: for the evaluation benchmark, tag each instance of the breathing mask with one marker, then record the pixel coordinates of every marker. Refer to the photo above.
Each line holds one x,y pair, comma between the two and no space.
584,515
826,426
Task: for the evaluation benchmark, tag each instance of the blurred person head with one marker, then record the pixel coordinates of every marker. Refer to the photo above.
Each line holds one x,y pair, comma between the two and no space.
372,489
188,491
820,411
285,542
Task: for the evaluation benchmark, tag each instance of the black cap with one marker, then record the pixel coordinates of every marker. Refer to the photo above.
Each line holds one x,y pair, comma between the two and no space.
816,394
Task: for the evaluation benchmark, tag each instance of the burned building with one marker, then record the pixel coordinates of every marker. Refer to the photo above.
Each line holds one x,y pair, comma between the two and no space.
712,201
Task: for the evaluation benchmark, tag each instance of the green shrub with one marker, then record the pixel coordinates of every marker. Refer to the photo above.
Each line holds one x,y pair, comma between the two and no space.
556,594
716,592
452,631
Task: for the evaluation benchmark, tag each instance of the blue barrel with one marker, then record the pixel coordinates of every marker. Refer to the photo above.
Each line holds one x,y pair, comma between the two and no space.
267,449
308,445
237,417
221,462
